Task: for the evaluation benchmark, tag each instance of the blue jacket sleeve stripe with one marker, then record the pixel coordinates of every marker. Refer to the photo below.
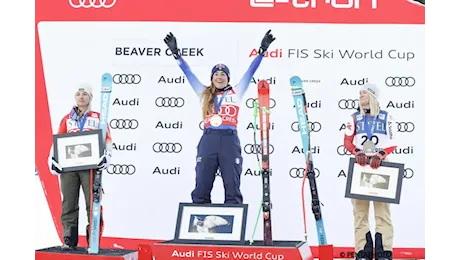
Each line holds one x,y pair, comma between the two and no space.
197,86
243,85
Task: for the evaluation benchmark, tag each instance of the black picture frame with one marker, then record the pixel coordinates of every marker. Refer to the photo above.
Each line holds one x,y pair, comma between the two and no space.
210,238
375,193
92,140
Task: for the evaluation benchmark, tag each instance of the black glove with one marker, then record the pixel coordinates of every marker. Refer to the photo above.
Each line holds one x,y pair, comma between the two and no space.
266,41
170,40
361,158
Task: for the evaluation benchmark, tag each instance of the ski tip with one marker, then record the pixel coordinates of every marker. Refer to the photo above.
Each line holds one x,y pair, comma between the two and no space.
296,81
263,87
106,77
106,83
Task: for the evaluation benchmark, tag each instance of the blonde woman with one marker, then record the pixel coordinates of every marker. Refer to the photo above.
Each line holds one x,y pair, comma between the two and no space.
370,135
80,118
219,146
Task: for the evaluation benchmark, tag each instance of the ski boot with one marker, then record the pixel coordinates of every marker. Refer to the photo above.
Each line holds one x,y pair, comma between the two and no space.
68,245
367,252
71,242
380,253
87,237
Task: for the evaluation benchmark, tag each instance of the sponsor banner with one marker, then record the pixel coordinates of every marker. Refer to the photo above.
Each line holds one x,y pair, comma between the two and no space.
291,11
156,123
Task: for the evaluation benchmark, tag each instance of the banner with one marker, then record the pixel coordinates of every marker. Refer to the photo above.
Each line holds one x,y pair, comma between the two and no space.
155,117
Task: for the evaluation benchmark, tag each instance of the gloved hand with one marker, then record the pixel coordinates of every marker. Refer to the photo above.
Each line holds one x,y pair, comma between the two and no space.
56,169
170,40
361,158
266,41
376,159
105,160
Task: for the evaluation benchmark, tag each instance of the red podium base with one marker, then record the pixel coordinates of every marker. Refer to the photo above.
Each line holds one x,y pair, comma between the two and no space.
55,253
281,250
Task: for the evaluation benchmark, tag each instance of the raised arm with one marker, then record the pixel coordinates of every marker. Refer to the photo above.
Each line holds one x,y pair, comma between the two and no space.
243,85
171,42
197,86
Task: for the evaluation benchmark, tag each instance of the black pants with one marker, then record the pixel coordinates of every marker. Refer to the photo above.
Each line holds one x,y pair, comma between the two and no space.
218,148
70,189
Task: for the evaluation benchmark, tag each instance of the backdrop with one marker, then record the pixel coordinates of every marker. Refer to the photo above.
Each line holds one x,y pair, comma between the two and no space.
155,115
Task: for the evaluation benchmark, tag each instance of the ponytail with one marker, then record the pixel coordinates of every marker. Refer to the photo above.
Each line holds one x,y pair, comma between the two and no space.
208,100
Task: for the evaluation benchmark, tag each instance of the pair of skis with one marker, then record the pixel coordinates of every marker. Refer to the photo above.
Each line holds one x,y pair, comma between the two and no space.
95,225
261,109
300,103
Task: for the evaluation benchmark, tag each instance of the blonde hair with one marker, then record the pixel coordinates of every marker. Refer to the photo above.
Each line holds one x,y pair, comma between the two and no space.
207,98
373,106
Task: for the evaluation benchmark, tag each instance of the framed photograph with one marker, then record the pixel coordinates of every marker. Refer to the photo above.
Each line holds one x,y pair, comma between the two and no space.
383,184
78,151
220,224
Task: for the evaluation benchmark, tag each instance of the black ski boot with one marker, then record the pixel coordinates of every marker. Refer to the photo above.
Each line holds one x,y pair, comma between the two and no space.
87,235
67,244
71,242
367,252
380,253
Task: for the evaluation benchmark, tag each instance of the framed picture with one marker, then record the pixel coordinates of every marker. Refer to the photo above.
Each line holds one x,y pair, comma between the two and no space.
79,150
382,184
223,224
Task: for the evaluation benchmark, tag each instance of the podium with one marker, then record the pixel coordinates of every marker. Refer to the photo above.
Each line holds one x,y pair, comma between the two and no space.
281,250
80,253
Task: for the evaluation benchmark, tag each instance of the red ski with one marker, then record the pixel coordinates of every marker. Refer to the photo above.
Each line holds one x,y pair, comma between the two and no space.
263,90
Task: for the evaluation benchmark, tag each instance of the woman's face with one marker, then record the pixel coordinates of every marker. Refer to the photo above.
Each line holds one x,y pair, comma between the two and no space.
220,79
364,97
82,99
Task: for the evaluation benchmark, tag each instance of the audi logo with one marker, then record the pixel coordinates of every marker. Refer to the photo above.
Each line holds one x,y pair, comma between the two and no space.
341,150
300,172
121,169
400,81
253,149
124,124
167,147
92,3
169,102
408,173
349,103
314,126
126,79
228,110
405,127
250,102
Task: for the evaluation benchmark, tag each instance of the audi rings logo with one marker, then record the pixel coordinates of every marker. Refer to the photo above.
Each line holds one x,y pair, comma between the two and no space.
126,79
400,81
405,127
92,3
250,102
124,124
169,102
121,169
349,103
314,126
341,150
300,172
253,149
408,173
167,147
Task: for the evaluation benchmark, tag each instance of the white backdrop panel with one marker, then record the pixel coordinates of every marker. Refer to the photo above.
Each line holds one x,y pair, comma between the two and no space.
144,205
